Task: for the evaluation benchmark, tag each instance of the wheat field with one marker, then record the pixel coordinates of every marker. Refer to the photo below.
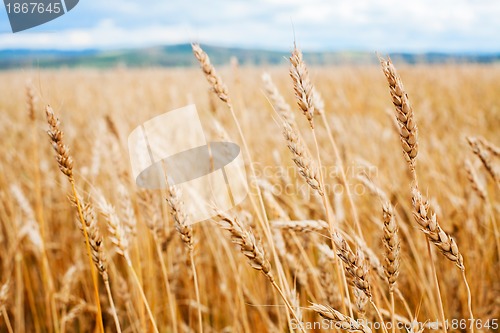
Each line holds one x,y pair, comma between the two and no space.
360,211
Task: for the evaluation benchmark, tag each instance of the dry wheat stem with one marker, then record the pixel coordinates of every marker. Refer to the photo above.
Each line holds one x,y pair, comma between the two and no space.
141,291
112,304
436,282
171,299
6,318
4,296
317,100
46,272
162,239
65,163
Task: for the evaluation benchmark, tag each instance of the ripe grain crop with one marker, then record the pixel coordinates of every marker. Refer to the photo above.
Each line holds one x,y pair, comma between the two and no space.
352,217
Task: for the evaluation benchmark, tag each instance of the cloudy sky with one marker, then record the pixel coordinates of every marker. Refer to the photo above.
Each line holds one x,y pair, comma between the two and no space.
383,25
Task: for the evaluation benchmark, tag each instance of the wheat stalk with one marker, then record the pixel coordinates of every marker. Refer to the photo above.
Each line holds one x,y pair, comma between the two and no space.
4,296
185,231
98,254
65,163
120,241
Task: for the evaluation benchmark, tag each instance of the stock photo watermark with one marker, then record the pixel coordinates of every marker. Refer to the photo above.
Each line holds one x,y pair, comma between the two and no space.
414,326
25,15
171,150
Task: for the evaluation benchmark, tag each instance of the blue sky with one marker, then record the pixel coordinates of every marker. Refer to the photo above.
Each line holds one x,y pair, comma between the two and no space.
383,25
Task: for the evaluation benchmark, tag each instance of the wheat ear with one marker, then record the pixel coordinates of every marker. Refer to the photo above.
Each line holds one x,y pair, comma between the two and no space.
494,150
65,163
302,159
356,264
391,244
186,232
404,114
245,239
477,186
302,85
177,211
98,254
119,239
277,100
63,158
392,248
215,81
484,155
429,224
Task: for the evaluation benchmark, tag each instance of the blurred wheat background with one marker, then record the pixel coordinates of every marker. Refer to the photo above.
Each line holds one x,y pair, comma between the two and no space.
48,285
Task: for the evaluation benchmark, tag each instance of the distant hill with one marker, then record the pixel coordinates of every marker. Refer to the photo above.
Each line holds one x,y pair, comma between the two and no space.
181,56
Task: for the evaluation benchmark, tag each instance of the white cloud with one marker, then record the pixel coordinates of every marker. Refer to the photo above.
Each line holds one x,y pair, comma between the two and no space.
445,25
